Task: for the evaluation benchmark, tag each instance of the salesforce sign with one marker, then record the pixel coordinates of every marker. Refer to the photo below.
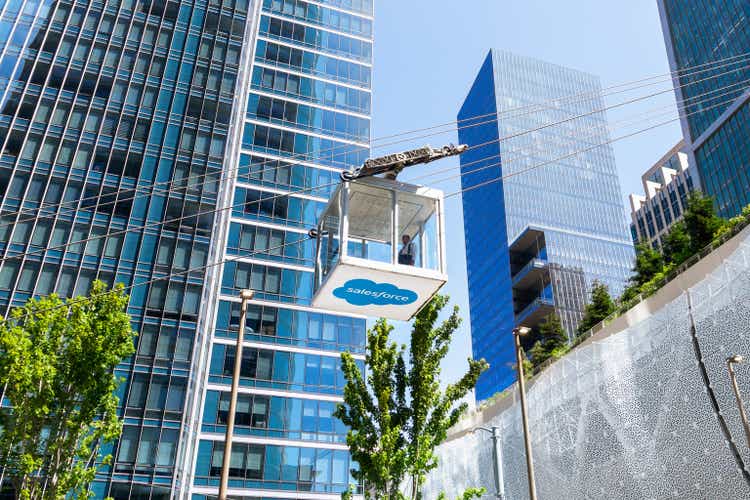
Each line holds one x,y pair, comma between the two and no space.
376,290
364,292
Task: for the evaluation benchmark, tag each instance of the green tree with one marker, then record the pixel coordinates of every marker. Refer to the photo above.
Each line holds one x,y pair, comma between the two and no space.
552,333
552,340
648,263
57,361
538,354
701,221
398,414
467,495
676,244
600,307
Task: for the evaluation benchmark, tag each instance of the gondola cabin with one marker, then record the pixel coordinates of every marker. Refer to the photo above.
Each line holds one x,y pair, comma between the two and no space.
380,249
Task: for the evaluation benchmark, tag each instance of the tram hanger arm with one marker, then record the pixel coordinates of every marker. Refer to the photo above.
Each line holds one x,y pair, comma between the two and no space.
391,165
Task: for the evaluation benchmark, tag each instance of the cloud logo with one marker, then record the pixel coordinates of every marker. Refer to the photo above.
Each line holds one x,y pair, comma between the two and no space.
361,292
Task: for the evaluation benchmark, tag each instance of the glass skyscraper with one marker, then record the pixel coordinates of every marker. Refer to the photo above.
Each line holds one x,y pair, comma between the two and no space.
536,240
192,143
707,43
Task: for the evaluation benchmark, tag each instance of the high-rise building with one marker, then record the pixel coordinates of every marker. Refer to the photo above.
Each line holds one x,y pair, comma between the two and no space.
192,144
707,43
543,216
666,185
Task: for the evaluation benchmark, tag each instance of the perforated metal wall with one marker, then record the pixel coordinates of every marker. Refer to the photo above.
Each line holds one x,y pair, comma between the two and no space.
631,416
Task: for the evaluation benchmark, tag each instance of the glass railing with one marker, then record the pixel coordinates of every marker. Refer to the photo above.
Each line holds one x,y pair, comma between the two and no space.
535,263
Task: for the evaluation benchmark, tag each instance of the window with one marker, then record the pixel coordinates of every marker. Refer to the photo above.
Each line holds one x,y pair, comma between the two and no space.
166,452
166,251
217,458
47,154
113,246
76,240
254,463
192,300
183,347
264,365
22,233
181,255
175,295
157,295
147,446
166,343
28,277
157,394
83,156
138,389
198,256
17,186
95,246
47,280
83,285
127,446
176,395
147,340
340,468
93,121
8,274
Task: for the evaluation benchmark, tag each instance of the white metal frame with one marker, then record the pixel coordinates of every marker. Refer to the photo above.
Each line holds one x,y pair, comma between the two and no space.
341,197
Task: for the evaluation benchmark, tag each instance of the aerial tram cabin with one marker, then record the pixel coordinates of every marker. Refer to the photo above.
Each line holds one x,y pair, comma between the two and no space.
381,243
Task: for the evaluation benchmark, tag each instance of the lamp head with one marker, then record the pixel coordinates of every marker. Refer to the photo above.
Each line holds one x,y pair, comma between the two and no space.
735,359
247,294
522,330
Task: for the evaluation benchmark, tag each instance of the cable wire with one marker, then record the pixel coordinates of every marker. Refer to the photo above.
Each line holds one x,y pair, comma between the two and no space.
668,109
569,155
301,191
299,241
536,106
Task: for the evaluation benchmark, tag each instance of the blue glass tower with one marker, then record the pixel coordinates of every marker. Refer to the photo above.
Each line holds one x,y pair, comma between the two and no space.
536,240
193,142
707,43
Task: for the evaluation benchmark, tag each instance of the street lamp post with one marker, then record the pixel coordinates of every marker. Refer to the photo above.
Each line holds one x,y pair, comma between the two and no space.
245,295
497,453
731,361
517,332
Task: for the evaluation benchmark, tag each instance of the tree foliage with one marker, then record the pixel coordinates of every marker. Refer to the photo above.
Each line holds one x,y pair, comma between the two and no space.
398,414
57,361
701,221
552,332
676,245
648,262
552,340
467,495
600,307
538,354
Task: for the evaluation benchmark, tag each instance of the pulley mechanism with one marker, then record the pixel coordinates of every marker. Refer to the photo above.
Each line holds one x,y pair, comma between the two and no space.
391,165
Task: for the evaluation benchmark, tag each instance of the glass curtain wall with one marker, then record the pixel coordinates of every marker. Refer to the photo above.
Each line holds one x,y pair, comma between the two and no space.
114,119
305,116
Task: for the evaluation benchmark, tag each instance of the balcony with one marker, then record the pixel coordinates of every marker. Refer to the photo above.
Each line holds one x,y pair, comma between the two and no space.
535,312
534,274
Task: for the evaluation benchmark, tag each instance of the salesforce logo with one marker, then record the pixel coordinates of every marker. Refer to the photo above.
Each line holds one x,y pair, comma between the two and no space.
361,292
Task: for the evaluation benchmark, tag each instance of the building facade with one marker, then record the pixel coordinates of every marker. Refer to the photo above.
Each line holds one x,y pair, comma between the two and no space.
707,43
184,148
666,185
533,169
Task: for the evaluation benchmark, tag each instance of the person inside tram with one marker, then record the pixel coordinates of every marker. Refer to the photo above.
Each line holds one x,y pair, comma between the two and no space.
406,254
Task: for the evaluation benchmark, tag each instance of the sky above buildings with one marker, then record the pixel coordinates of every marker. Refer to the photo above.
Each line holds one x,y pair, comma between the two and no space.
428,52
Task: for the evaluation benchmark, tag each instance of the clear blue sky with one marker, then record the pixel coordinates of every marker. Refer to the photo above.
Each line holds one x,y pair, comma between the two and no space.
428,52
